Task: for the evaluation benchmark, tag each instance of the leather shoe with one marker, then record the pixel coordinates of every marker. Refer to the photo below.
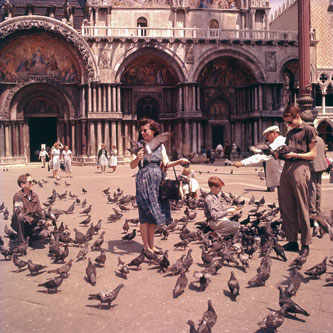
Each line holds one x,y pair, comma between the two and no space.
305,251
291,246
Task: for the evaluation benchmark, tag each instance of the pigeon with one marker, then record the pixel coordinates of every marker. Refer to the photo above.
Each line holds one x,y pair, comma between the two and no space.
61,255
86,221
273,320
122,268
10,233
62,196
83,252
107,296
188,261
293,284
279,250
130,236
98,242
98,226
176,268
299,261
19,263
22,247
126,227
292,307
138,260
317,270
208,319
213,268
233,285
5,214
63,270
1,241
164,263
90,232
80,238
206,258
52,284
87,210
259,279
151,256
84,190
84,202
100,260
192,326
70,209
91,273
6,252
204,279
35,268
67,184
180,286
107,190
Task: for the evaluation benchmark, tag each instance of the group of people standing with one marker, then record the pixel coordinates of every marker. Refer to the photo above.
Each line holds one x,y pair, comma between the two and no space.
103,160
61,154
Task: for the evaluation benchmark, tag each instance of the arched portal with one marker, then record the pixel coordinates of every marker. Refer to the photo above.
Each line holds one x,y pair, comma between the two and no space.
325,131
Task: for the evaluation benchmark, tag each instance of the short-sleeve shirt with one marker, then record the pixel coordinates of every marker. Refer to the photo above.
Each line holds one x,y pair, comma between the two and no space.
28,203
298,139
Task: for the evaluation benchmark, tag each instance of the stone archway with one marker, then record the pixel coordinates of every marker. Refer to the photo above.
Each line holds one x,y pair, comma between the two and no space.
325,131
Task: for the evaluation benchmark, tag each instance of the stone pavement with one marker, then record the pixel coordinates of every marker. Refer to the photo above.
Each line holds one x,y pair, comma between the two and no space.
146,304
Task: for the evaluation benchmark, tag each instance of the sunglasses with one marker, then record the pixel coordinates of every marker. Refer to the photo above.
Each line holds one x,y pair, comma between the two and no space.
29,182
145,130
289,122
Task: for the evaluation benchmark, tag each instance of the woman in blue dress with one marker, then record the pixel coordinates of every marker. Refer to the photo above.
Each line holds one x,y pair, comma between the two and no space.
152,210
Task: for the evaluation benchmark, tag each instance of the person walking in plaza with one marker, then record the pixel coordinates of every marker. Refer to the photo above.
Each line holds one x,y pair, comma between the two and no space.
55,156
27,211
227,150
113,158
215,213
219,151
273,166
67,158
317,167
294,181
102,158
152,210
42,156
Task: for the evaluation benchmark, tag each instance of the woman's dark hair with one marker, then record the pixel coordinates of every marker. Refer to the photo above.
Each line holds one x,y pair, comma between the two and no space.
154,125
291,111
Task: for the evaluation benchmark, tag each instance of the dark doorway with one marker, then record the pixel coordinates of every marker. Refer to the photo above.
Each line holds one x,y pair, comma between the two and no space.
41,130
147,107
218,136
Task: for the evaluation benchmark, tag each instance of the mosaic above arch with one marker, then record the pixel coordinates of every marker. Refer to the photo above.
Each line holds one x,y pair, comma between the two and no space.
31,56
149,70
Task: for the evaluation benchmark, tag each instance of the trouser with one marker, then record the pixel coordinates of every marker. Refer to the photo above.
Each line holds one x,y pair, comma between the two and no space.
224,227
315,192
25,229
43,159
294,194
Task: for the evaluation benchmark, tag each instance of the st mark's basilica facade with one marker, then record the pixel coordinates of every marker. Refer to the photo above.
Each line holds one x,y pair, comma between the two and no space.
209,71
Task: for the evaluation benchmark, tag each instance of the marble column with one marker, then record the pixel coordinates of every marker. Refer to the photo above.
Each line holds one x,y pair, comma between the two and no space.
194,137
134,135
261,101
83,101
114,133
200,141
187,144
114,99
99,99
260,126
92,139
2,140
107,135
68,134
89,98
109,98
126,133
198,99
180,99
14,139
99,134
186,101
73,138
194,107
94,101
21,139
253,13
105,90
7,140
118,99
61,131
179,137
323,102
120,139
243,137
84,137
255,131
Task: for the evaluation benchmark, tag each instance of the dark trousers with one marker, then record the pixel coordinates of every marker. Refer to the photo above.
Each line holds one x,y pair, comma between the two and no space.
315,192
294,206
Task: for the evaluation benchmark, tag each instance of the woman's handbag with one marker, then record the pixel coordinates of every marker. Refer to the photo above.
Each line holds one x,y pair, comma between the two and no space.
170,188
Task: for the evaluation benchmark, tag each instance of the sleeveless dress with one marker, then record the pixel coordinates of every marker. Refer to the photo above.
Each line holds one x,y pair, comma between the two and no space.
113,158
151,208
56,159
67,159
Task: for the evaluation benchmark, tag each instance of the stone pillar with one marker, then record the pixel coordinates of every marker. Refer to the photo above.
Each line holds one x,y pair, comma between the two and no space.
208,143
83,101
109,98
255,131
114,133
99,99
243,137
2,140
89,98
134,136
194,137
114,99
323,102
94,99
73,138
104,98
92,139
68,135
180,98
99,134
26,141
200,141
107,134
266,19
118,99
126,134
120,139
84,137
253,14
7,140
186,101
14,139
179,137
21,139
260,103
198,99
61,130
187,143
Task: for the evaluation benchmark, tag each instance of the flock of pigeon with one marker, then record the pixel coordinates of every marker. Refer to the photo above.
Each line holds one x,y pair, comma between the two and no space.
260,234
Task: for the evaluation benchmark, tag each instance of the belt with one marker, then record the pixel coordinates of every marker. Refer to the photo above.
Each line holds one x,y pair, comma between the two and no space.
145,163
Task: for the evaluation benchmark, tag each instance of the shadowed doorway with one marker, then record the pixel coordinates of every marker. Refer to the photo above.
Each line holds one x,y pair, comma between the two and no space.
41,130
218,136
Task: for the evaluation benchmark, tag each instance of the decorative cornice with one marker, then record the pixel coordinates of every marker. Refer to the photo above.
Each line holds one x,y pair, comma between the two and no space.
48,24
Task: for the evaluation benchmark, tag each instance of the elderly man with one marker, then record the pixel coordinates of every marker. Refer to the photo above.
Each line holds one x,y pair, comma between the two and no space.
273,166
27,211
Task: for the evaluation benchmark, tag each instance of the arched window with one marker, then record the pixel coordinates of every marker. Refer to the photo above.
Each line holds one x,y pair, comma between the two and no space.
142,23
214,28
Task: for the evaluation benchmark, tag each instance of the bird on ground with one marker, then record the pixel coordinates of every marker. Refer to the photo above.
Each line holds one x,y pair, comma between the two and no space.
214,267
100,260
123,208
273,320
126,227
164,263
22,247
98,226
138,260
98,242
233,285
7,253
1,241
5,214
130,236
208,319
292,307
67,184
10,233
84,190
317,270
91,273
299,261
183,244
86,221
244,259
63,270
122,268
206,258
2,206
90,232
35,268
84,202
19,263
180,286
259,279
87,210
191,324
107,190
80,238
279,250
188,261
203,278
70,209
77,201
293,284
62,196
107,296
176,268
151,256
61,255
56,183
52,284
83,252
72,195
